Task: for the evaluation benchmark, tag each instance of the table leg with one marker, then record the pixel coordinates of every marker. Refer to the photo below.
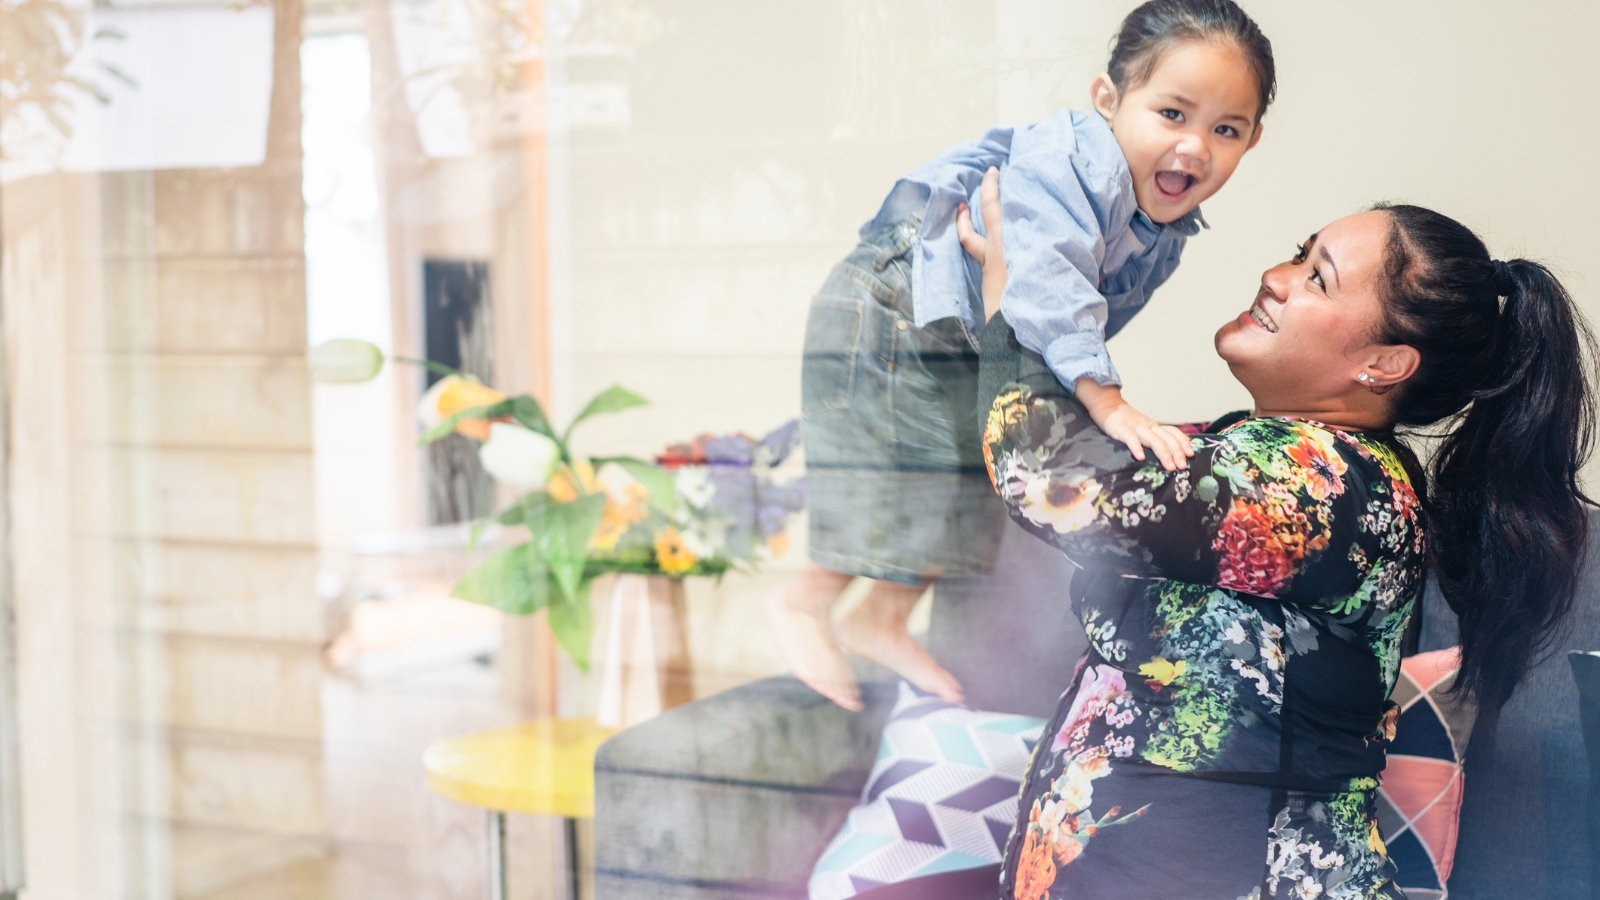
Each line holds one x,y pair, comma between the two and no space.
497,854
572,858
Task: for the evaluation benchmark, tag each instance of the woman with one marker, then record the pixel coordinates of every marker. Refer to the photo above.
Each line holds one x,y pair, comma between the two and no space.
1223,737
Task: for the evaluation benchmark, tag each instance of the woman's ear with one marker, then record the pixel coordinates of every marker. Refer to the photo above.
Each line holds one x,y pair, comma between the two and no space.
1103,94
1396,363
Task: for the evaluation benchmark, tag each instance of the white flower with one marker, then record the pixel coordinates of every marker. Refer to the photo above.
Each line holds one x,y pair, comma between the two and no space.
518,456
344,361
694,485
1272,655
1064,507
697,541
1052,815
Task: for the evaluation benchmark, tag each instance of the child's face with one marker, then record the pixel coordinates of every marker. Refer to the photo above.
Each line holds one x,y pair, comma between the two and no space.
1185,129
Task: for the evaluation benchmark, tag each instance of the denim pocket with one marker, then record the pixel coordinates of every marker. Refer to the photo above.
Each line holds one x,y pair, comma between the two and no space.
833,338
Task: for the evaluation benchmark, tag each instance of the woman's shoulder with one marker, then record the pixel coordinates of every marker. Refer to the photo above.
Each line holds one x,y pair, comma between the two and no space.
1301,442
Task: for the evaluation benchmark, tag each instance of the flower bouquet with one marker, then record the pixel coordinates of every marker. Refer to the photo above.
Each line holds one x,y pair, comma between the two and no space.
702,508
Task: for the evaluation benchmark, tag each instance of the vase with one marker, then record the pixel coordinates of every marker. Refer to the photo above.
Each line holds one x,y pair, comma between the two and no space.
645,667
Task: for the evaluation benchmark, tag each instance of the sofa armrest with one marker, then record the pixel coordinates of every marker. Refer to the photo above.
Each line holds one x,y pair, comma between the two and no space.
735,795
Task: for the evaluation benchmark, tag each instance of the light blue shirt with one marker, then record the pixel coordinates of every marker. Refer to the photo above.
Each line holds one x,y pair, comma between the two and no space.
1081,257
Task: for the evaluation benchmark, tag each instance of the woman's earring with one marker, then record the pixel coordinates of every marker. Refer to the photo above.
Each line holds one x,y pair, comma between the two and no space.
1362,378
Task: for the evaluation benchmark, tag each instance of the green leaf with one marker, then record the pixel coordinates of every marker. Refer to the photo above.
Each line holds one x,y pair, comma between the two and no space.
562,532
475,533
613,399
514,580
443,429
431,366
653,478
526,508
572,622
530,415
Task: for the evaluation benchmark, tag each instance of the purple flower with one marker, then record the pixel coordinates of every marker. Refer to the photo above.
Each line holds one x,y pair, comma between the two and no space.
730,450
734,495
778,502
780,442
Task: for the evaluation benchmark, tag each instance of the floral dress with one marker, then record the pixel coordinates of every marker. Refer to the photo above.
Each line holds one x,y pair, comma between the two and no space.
1223,737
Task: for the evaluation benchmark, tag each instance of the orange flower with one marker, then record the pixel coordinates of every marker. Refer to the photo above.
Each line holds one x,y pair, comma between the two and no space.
778,544
562,487
1036,869
453,394
619,517
1254,559
671,553
1321,467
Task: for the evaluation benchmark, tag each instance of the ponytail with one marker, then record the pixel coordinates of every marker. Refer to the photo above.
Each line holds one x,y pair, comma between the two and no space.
1507,521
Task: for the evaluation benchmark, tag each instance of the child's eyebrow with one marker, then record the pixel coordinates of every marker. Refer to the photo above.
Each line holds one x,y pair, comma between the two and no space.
1179,99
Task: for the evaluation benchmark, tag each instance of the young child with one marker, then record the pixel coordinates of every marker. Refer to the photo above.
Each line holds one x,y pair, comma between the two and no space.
1097,208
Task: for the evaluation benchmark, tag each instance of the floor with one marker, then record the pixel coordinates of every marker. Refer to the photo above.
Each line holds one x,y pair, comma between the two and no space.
391,837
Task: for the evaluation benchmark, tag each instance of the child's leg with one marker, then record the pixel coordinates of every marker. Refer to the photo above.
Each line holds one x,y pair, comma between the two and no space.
876,629
799,613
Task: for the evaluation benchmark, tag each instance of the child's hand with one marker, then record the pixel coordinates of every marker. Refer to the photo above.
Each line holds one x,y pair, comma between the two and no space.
987,248
1119,420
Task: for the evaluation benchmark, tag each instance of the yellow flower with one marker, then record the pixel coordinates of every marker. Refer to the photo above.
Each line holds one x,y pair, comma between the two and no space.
671,553
451,395
620,516
1375,840
564,490
1159,669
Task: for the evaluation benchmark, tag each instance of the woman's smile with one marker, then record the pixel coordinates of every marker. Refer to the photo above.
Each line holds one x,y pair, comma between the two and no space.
1258,315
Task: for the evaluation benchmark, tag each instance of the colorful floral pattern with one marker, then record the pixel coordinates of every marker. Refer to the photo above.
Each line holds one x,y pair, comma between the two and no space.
1283,545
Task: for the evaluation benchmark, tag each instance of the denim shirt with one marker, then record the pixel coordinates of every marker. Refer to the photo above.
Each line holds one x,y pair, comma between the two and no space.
1082,257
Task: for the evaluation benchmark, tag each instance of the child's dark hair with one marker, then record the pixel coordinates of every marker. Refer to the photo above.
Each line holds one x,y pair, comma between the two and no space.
1506,519
1154,27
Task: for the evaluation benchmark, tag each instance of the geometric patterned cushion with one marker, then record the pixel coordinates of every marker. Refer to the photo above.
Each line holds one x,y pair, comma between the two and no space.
1419,802
942,796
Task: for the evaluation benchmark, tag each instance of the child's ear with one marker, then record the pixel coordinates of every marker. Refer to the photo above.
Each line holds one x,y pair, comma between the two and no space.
1255,137
1103,94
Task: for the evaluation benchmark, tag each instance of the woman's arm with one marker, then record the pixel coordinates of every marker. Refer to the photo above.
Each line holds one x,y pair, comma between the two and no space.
1104,403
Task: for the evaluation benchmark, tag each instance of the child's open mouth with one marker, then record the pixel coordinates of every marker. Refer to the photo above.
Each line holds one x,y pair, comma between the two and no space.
1173,185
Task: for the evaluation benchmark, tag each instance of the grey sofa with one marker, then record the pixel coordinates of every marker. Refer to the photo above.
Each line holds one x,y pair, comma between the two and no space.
735,796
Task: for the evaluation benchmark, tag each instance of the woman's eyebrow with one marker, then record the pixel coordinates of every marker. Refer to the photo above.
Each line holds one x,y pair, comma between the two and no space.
1328,257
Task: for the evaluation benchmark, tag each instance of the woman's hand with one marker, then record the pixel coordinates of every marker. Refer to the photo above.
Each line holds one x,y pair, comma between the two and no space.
986,248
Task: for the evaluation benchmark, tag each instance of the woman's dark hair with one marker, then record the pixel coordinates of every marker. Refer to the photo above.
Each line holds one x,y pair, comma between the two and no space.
1154,27
1506,520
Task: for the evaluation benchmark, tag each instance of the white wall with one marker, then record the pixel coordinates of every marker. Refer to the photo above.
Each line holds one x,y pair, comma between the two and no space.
1484,111
763,134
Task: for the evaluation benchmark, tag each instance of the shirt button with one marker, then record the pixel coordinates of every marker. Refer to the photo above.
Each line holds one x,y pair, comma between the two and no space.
901,324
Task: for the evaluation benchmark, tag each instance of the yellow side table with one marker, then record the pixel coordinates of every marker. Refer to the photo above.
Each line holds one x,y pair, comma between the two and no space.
544,767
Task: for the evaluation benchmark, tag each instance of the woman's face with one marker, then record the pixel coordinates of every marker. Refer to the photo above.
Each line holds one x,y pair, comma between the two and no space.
1308,336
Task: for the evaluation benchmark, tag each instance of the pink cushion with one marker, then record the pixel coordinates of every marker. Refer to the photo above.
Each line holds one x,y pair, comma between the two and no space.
1419,803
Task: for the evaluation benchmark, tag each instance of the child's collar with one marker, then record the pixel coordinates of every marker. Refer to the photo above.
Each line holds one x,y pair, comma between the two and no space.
1188,224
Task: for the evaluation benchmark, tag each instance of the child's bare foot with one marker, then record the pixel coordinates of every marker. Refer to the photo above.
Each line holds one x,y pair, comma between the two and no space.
876,629
798,613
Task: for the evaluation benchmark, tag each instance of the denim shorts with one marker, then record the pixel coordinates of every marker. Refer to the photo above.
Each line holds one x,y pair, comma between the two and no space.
895,481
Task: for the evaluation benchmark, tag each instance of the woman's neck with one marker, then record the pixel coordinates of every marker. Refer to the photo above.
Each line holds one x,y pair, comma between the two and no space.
1362,416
